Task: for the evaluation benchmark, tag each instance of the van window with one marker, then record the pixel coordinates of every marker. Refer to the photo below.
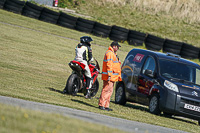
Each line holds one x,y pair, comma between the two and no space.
133,63
129,64
149,64
177,70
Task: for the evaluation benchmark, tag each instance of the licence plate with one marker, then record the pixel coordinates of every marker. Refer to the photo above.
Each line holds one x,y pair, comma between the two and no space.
192,107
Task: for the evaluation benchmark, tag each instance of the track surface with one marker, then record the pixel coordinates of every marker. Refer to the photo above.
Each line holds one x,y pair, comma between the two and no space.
122,124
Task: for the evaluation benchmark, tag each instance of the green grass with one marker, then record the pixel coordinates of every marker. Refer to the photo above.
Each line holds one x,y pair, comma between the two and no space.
19,120
34,66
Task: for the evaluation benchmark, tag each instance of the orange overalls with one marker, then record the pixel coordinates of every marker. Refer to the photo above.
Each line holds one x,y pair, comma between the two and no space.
111,67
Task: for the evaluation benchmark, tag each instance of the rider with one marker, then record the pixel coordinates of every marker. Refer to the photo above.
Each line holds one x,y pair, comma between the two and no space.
84,55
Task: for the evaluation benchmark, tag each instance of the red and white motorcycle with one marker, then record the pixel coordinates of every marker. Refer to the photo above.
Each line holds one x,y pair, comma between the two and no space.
76,82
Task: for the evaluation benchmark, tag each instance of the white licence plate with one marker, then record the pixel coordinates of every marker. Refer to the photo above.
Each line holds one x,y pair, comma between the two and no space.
192,107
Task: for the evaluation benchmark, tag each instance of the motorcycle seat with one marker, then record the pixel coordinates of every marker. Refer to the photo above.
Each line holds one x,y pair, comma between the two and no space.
80,64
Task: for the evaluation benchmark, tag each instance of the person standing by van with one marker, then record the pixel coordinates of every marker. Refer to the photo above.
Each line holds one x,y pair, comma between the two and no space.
111,72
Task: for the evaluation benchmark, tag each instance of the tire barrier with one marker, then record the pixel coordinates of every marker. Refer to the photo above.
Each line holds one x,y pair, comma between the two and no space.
15,6
32,10
154,43
136,38
114,32
2,3
119,33
199,55
49,16
101,30
172,46
189,51
84,25
67,21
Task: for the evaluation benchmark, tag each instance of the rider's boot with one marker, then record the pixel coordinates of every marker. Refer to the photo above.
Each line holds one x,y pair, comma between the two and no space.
88,88
88,95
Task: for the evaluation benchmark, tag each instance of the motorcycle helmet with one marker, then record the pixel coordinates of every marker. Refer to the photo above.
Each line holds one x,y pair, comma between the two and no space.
86,39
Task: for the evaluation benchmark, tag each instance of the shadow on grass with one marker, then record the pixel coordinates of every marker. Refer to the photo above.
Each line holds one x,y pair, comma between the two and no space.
146,109
135,106
81,102
52,89
179,119
61,92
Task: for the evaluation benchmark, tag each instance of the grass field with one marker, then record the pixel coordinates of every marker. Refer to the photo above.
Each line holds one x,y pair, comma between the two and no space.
33,66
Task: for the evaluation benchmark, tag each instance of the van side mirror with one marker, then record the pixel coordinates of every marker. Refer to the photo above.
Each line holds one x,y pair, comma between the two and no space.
149,73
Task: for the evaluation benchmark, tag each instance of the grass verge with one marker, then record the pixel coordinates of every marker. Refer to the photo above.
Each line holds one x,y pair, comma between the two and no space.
20,120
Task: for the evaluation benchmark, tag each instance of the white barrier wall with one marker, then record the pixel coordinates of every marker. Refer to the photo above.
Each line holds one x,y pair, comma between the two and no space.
44,2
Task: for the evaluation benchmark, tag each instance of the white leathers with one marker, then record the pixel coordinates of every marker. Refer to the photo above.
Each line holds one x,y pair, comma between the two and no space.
84,55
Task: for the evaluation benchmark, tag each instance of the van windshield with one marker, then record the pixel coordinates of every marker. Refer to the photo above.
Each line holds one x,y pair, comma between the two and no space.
179,71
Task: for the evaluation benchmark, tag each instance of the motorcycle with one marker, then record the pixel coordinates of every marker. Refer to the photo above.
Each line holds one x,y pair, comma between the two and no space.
76,82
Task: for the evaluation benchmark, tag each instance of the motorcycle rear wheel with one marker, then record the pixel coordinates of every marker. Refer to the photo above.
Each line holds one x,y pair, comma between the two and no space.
73,85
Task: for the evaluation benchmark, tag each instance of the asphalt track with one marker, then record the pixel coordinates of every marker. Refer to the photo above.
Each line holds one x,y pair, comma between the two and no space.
113,122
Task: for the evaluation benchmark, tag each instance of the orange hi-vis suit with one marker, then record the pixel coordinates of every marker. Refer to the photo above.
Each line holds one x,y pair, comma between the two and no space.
111,67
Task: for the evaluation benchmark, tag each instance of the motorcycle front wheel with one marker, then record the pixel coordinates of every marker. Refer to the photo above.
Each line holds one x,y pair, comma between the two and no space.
72,85
95,88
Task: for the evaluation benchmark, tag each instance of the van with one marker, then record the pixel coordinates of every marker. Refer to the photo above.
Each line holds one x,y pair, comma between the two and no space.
163,81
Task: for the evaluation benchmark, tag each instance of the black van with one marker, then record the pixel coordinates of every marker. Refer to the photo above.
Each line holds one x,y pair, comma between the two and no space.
164,82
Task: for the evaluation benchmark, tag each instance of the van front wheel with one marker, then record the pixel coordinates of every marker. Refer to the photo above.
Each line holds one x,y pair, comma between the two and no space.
154,104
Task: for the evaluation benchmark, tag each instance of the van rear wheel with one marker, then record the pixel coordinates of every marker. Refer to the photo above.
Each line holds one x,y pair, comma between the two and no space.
120,97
